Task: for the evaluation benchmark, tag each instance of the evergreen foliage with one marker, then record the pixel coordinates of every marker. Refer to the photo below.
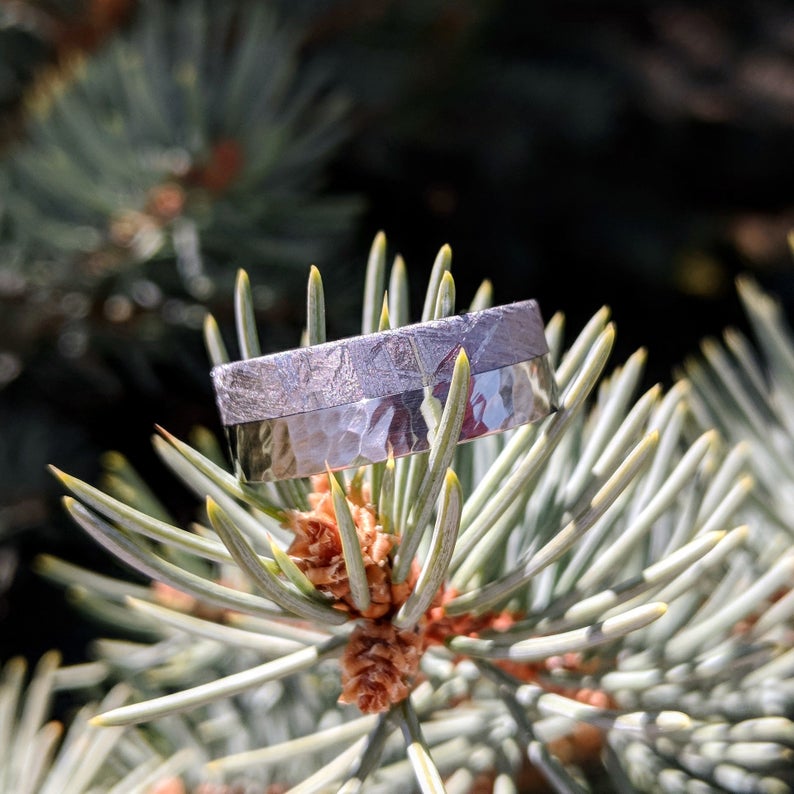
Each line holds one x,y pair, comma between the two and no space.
598,602
600,605
191,142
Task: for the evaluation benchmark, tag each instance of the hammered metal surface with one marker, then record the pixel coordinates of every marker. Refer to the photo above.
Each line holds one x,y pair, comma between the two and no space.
378,365
365,431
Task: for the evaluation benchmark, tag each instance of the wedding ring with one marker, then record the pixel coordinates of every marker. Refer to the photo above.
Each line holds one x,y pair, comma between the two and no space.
356,401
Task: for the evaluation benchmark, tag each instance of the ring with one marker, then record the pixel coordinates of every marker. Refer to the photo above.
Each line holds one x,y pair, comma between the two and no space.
359,400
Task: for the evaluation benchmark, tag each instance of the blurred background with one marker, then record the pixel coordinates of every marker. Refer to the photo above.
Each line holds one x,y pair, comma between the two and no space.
583,153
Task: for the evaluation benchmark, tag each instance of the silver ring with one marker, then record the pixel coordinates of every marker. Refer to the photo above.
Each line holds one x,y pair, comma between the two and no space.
356,401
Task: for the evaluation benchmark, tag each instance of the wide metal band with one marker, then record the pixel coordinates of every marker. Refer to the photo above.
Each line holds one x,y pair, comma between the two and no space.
367,431
355,401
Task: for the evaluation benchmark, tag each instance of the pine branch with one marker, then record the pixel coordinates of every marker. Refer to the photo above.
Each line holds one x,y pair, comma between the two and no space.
588,586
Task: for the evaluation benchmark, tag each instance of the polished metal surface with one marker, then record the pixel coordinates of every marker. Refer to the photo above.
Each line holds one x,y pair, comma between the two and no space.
357,400
366,431
376,365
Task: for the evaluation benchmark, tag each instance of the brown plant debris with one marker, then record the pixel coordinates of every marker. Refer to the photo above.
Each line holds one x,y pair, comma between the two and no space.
378,665
380,660
317,550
